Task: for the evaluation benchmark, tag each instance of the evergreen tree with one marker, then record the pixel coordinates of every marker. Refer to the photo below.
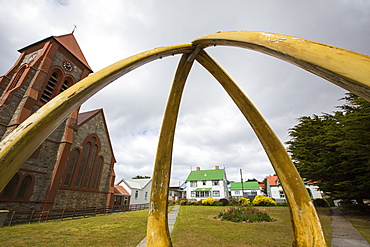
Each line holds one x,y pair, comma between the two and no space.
334,149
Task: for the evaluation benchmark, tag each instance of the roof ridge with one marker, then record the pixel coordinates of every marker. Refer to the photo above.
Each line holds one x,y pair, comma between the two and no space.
70,43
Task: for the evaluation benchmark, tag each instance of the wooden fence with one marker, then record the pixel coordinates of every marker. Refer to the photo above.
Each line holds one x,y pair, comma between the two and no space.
18,217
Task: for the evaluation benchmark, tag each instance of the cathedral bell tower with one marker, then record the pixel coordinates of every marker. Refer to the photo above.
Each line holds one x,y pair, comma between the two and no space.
43,70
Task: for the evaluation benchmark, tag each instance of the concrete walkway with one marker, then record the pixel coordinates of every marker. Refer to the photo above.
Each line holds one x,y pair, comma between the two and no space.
171,222
344,234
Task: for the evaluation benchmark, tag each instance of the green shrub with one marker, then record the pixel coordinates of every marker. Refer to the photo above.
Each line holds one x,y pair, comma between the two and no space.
233,202
183,202
193,203
208,201
244,201
261,200
224,201
319,202
218,203
244,214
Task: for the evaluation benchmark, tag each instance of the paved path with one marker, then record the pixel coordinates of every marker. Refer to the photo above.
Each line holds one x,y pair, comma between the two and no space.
171,222
344,234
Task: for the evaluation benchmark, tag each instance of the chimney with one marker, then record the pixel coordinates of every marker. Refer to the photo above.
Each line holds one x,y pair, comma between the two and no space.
217,167
197,169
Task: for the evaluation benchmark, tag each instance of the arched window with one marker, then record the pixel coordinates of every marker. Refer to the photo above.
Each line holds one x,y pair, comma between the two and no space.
90,166
16,78
18,188
84,160
71,167
10,188
49,89
24,188
85,171
97,173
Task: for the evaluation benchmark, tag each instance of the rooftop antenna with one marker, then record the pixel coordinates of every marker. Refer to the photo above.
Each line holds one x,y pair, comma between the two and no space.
74,28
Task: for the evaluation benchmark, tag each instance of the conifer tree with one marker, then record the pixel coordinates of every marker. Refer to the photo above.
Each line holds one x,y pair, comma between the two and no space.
334,149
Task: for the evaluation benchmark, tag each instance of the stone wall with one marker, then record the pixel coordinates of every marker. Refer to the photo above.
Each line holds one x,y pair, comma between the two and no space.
79,199
58,61
70,197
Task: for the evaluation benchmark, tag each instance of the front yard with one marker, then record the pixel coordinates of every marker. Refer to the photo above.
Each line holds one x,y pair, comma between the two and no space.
194,226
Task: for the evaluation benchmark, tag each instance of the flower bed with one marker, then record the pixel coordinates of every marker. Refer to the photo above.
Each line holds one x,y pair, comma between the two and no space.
244,214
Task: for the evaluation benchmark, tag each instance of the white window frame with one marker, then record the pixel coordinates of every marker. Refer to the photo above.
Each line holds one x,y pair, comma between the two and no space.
281,193
216,193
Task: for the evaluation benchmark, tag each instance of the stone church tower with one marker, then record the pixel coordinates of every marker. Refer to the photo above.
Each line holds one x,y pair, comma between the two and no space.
73,167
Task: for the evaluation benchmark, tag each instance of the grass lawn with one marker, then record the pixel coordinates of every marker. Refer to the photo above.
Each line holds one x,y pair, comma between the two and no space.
194,226
360,220
122,229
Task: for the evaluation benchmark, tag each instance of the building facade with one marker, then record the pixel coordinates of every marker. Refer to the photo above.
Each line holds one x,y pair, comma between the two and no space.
201,184
139,189
276,192
246,189
73,167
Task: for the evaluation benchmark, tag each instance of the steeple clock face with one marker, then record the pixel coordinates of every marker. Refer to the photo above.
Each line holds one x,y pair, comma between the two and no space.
67,66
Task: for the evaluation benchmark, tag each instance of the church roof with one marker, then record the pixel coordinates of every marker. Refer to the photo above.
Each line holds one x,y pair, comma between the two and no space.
69,42
85,116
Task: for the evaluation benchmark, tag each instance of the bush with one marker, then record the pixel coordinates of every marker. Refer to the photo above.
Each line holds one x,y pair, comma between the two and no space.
320,203
244,214
261,200
244,201
233,202
193,203
183,202
208,201
218,203
224,201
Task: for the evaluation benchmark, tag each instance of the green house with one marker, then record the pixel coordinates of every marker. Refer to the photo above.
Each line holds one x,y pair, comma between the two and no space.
245,189
201,184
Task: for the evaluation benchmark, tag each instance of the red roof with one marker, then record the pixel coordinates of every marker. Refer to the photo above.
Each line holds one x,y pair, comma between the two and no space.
84,116
118,189
69,42
272,180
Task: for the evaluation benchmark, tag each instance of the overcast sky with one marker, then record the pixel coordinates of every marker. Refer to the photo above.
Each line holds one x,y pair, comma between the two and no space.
210,131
